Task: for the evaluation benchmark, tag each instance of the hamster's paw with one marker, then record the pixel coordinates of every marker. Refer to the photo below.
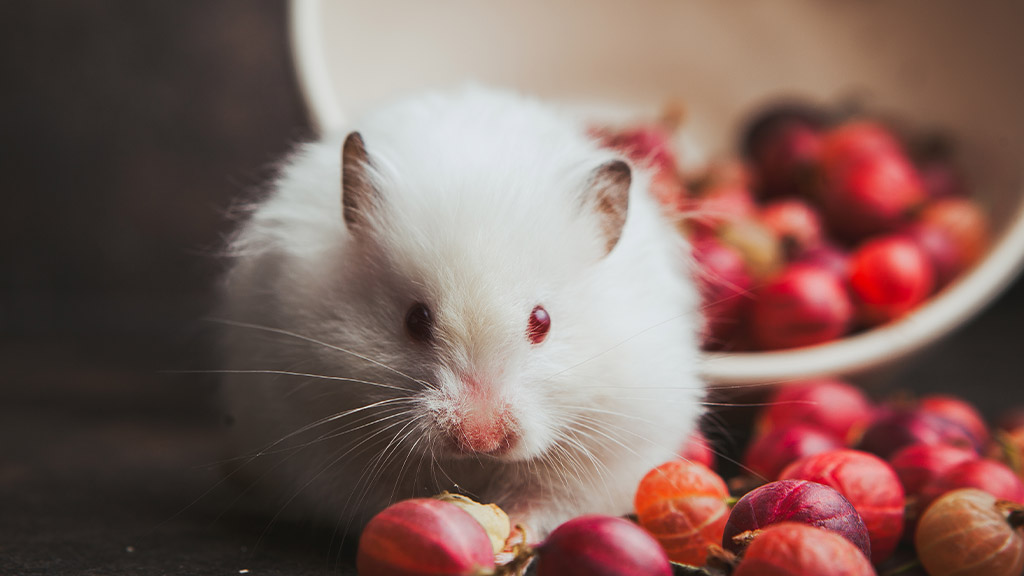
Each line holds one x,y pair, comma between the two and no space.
533,525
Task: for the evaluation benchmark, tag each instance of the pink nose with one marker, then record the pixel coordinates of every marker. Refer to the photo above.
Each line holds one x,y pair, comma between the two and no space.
484,435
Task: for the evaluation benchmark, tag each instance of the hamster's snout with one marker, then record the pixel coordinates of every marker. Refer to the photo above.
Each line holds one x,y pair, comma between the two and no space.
493,434
478,422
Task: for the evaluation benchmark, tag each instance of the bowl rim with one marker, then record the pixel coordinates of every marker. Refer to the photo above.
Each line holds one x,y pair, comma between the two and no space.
883,345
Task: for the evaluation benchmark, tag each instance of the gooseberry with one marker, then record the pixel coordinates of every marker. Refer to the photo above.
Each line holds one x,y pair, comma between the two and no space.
869,483
918,465
791,549
827,403
684,506
803,305
767,455
959,411
993,477
889,276
424,537
969,531
892,428
793,501
601,546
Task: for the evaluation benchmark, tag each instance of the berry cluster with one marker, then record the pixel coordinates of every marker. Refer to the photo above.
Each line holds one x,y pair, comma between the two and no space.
833,483
827,226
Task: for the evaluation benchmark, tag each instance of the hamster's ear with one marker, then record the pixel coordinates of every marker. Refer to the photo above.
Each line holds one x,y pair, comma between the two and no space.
357,192
607,195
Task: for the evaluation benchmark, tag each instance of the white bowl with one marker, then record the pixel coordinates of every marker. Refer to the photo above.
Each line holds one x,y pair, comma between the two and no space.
942,63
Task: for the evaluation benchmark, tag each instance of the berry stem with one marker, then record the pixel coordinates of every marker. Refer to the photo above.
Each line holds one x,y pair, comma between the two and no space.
524,554
1016,518
720,560
1014,512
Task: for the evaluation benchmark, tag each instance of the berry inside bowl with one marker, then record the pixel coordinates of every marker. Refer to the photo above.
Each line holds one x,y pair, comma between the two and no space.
946,65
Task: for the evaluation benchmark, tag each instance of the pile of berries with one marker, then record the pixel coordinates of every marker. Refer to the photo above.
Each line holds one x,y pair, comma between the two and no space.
832,484
825,227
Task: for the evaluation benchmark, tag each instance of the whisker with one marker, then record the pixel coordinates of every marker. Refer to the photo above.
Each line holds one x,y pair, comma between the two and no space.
346,430
312,479
597,421
250,458
325,420
600,467
327,345
383,460
290,373
758,404
401,471
567,466
603,411
616,441
620,343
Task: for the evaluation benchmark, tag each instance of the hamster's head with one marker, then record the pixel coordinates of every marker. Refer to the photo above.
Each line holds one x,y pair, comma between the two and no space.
504,290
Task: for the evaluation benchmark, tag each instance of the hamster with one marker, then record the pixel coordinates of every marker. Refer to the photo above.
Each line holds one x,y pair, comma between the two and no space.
463,292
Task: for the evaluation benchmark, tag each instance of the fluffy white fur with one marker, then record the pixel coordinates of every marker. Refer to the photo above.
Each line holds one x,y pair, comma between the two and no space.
480,218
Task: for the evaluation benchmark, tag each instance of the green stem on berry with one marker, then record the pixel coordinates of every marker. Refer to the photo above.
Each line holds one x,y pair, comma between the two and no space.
731,501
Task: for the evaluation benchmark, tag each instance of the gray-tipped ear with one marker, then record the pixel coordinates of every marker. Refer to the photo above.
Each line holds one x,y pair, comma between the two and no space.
357,192
608,197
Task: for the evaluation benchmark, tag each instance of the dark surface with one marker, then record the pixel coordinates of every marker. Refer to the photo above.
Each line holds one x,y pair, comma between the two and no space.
128,130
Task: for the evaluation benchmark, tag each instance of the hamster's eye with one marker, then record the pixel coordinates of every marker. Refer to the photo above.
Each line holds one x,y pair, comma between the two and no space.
538,326
419,323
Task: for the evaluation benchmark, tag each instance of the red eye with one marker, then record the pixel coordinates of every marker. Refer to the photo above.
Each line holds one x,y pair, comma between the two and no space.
540,323
419,323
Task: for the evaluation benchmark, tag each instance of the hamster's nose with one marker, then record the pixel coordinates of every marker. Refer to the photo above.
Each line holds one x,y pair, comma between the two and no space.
475,433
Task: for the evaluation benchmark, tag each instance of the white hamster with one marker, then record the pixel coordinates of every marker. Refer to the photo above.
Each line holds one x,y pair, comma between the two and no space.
465,293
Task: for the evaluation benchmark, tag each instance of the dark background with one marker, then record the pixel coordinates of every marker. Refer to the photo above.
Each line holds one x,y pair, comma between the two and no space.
129,129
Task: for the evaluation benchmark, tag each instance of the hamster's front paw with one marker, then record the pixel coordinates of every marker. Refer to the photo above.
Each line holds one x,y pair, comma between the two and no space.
532,525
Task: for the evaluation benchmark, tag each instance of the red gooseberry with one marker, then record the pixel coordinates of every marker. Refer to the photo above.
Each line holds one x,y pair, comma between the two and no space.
964,221
830,257
803,305
827,403
601,546
940,249
918,465
792,549
724,285
767,455
797,225
961,412
424,537
869,483
870,196
892,428
719,204
793,501
993,477
684,506
783,143
856,140
889,276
